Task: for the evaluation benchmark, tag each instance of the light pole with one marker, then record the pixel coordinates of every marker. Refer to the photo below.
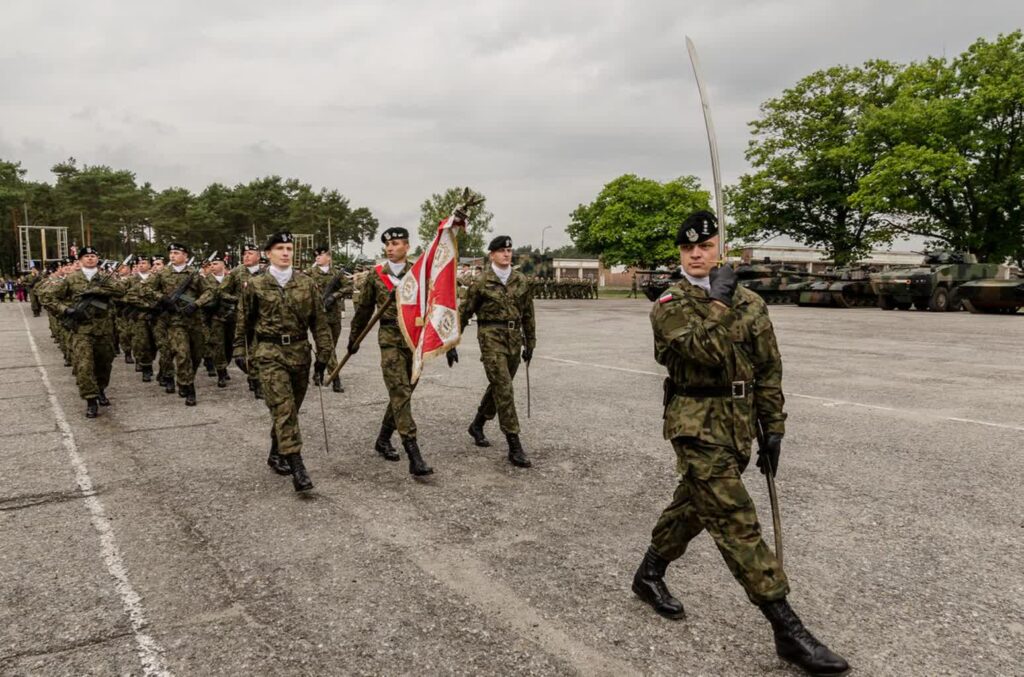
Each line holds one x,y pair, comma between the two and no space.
542,239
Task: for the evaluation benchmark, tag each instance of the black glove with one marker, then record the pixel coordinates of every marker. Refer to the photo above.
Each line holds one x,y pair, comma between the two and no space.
723,284
453,357
318,370
240,363
771,449
190,309
527,354
74,313
352,348
168,305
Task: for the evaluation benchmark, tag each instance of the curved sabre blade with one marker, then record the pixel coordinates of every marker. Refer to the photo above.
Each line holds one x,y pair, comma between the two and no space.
716,172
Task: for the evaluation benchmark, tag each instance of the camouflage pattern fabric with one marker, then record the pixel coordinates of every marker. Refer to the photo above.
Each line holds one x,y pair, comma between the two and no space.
266,309
395,356
322,279
90,345
703,345
234,284
185,337
501,346
217,340
711,496
140,321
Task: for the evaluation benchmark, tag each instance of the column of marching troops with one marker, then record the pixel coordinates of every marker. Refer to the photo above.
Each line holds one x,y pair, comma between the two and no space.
276,323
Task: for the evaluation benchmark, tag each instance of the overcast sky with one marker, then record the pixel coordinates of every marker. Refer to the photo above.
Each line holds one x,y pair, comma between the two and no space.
537,104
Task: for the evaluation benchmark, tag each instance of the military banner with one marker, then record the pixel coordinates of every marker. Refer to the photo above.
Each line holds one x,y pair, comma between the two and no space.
428,311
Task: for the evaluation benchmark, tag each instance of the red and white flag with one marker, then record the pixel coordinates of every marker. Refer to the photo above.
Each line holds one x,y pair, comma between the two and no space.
428,304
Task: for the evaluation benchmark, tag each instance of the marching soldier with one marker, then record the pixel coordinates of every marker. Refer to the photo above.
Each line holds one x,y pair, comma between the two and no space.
32,280
279,309
502,301
218,319
725,378
83,300
184,326
395,355
239,276
334,305
161,333
140,318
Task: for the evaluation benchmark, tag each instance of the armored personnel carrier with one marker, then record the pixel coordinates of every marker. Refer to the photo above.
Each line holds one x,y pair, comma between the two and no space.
993,296
848,287
934,285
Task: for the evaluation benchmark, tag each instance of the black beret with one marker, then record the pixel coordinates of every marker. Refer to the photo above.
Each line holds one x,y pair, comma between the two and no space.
284,237
87,250
321,250
264,259
500,242
147,259
697,227
157,257
178,247
250,247
217,257
395,233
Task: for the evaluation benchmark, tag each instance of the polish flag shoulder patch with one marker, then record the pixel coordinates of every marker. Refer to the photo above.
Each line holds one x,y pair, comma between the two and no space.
665,298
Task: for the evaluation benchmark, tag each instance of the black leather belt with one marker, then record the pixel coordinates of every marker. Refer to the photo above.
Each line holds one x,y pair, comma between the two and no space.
281,339
389,323
736,390
508,324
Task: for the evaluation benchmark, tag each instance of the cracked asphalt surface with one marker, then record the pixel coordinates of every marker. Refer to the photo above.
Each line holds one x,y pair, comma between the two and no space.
900,484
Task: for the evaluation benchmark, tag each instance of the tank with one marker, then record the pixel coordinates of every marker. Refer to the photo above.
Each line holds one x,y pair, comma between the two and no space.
773,282
932,286
848,287
993,296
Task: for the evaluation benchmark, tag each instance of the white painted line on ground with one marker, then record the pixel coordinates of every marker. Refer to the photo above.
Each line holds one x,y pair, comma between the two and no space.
150,653
825,401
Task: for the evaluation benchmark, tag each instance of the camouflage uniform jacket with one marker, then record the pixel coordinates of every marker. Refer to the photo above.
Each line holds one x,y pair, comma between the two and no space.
66,292
159,285
268,309
704,345
374,293
490,300
323,279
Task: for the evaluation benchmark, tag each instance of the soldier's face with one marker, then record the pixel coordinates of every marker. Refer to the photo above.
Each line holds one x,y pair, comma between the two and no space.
177,257
698,259
217,268
250,258
323,259
502,257
158,266
143,266
89,261
280,255
397,250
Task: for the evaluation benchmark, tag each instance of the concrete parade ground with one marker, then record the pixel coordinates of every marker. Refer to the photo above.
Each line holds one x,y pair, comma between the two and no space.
155,540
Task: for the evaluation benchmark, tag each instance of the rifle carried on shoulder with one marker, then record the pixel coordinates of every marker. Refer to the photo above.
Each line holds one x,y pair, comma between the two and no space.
332,287
179,298
90,301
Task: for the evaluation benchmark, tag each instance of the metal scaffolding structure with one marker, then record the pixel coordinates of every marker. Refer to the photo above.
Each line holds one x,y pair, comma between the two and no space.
59,247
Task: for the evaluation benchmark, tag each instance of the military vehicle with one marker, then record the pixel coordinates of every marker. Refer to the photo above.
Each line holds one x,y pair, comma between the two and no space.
848,287
993,296
773,282
934,285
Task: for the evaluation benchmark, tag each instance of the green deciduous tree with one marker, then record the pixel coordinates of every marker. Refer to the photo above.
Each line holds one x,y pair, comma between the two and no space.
439,206
633,221
809,161
951,149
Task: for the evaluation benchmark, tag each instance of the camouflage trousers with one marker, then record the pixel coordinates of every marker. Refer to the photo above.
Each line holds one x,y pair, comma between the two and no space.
33,298
499,398
711,496
216,343
396,364
161,338
284,389
186,344
335,335
143,343
92,356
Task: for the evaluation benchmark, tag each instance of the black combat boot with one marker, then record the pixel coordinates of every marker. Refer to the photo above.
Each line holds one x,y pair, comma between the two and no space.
227,376
128,359
383,444
336,385
793,643
67,361
102,399
222,378
91,408
276,461
318,379
417,466
138,367
190,395
258,391
476,431
649,585
208,363
252,385
169,385
147,374
300,478
516,455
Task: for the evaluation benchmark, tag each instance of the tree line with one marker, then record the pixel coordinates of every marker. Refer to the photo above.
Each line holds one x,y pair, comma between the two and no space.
854,157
